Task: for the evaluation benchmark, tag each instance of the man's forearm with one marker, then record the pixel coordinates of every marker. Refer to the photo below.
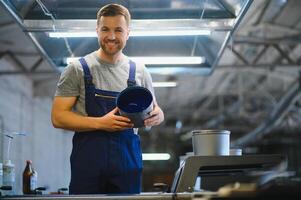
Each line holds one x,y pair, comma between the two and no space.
75,122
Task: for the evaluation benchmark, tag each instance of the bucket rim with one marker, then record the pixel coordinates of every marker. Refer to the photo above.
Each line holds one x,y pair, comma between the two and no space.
210,132
139,88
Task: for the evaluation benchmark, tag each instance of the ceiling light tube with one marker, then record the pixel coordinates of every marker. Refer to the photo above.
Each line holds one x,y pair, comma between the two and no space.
155,156
71,34
169,33
175,60
165,84
180,70
134,33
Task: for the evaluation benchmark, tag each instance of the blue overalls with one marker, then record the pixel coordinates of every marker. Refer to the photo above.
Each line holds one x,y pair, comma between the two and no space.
105,162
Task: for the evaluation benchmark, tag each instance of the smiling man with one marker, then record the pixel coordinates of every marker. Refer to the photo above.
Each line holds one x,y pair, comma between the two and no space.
106,155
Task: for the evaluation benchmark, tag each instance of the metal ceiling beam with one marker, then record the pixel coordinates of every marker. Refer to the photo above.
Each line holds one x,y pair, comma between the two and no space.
284,54
290,33
227,6
299,61
136,25
292,39
214,122
262,12
227,25
267,65
266,43
21,53
5,42
16,17
282,106
36,65
2,73
5,24
242,13
18,63
279,59
260,54
227,80
216,88
21,66
240,57
29,6
69,12
277,72
279,12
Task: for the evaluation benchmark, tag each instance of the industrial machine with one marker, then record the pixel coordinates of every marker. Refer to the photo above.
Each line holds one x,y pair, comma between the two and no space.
202,166
183,187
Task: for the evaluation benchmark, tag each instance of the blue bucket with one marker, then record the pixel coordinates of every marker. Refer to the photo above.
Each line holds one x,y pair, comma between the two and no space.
135,103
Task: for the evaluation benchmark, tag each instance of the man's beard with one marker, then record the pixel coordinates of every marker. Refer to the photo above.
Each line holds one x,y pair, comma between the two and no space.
109,50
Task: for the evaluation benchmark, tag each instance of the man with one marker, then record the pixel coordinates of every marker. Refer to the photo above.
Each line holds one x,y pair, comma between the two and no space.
106,155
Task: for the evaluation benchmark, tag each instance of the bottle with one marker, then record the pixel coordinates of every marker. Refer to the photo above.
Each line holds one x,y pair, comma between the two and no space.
30,178
9,176
1,174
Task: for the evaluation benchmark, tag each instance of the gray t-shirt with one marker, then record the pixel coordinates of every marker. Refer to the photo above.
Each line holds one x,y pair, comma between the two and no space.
106,76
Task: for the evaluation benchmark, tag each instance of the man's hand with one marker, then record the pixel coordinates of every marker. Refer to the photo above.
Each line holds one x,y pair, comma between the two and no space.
112,122
63,117
156,117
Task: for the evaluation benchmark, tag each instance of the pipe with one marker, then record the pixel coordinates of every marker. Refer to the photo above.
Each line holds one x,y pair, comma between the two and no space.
280,109
2,137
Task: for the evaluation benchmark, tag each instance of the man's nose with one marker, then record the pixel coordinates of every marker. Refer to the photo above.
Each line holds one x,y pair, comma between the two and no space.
111,35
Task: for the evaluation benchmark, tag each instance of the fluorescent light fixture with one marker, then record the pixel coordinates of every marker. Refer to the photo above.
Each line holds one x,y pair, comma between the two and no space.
170,33
71,34
165,84
180,70
176,60
134,33
155,156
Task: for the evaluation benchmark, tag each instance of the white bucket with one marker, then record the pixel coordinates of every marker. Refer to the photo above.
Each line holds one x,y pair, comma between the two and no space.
211,142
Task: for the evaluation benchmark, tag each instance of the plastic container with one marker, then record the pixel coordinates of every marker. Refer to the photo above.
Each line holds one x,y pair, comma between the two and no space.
135,103
9,176
211,142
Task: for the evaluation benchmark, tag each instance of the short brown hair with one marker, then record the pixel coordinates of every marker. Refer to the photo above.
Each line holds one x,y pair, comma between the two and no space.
114,10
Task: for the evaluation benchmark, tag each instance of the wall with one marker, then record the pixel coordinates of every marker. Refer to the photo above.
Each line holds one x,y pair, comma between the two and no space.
48,148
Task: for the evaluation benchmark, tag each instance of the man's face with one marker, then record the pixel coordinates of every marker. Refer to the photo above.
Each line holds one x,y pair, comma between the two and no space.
113,32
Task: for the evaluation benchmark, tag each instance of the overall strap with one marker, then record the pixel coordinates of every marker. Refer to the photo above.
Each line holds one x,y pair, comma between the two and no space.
131,81
87,74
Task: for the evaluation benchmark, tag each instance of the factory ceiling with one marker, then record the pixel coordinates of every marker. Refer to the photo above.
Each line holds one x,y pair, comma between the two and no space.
199,30
247,79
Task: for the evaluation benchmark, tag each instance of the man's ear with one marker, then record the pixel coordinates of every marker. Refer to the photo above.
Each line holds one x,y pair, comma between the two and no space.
97,30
